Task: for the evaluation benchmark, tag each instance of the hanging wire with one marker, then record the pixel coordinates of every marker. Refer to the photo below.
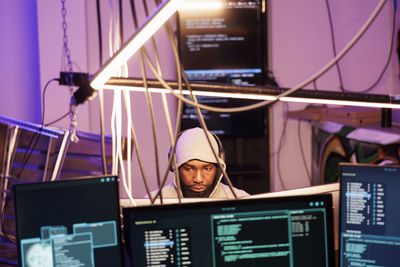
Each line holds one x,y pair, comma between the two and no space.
282,140
180,103
128,143
201,121
172,158
99,31
116,126
65,39
44,97
152,119
102,132
121,21
165,104
334,44
318,74
135,140
173,161
57,120
37,134
204,126
101,93
138,155
167,27
380,76
303,157
164,100
44,106
150,106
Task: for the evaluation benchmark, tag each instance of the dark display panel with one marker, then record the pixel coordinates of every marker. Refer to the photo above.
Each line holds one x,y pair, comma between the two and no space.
69,223
225,45
292,231
369,217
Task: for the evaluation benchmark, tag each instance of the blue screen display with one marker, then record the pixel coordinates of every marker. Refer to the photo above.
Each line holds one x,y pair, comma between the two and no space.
369,221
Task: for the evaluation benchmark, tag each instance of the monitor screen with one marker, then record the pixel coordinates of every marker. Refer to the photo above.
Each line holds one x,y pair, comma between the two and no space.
225,45
289,231
369,233
69,223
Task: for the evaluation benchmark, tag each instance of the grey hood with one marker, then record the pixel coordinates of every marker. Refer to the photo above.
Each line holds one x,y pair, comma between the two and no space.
193,144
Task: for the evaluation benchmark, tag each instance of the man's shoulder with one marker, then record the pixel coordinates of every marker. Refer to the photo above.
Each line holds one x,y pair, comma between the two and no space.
168,191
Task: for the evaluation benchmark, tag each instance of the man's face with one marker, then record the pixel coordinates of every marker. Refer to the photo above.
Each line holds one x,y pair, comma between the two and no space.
197,177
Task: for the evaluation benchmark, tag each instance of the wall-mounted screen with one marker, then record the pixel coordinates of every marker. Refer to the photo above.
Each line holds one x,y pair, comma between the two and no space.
225,45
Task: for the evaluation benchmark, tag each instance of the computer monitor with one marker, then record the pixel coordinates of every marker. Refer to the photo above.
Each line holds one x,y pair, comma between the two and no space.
69,223
369,217
287,231
225,45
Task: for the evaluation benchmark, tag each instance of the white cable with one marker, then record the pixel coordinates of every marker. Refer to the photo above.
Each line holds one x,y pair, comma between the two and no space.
121,160
114,111
119,148
128,138
128,176
116,128
167,117
116,124
114,141
118,152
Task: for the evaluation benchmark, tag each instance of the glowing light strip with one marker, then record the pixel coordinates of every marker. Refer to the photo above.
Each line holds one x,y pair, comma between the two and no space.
340,102
261,97
144,33
186,92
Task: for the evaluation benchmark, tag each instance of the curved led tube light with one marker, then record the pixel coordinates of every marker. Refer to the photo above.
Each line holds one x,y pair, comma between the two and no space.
154,22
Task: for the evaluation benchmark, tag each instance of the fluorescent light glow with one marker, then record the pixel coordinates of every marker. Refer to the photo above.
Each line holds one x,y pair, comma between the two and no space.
144,33
258,97
340,102
202,4
230,95
186,92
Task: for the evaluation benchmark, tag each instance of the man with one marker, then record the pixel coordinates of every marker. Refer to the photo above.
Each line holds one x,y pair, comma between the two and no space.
199,173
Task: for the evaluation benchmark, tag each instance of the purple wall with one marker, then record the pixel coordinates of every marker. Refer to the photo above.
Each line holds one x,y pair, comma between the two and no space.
19,57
